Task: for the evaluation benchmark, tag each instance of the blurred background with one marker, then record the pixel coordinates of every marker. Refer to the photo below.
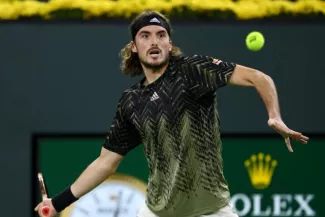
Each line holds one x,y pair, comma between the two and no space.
60,82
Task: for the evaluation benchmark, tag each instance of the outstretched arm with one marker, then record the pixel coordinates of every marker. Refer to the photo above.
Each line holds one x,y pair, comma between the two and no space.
244,76
97,172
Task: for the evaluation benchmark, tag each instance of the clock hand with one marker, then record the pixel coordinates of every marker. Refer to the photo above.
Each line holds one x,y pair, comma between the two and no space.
96,199
86,212
130,198
118,205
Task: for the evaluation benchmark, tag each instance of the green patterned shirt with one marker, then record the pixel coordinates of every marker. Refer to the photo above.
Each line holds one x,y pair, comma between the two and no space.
176,119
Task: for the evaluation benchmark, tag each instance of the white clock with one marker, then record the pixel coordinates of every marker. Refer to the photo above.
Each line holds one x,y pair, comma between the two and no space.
119,196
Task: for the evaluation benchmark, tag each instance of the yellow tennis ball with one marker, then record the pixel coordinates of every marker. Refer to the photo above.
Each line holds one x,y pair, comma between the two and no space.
255,41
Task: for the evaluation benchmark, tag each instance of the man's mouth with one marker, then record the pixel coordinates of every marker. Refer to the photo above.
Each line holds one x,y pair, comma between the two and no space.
154,53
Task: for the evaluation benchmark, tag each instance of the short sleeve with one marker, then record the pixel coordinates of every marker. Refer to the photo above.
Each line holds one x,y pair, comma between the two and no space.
206,74
122,136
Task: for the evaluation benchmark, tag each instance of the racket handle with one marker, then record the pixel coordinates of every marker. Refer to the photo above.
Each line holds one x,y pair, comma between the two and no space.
45,210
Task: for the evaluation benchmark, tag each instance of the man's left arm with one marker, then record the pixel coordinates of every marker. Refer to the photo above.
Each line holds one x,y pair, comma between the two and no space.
245,76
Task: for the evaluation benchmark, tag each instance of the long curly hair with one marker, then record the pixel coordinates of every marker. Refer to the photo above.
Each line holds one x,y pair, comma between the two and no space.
130,64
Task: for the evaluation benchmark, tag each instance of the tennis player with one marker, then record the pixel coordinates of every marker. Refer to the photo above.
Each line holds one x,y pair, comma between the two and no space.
173,112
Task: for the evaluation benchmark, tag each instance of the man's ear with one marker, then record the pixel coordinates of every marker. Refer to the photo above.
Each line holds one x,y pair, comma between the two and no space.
133,47
171,45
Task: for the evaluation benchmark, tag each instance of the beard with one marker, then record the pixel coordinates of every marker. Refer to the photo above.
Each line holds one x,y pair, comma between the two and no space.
155,66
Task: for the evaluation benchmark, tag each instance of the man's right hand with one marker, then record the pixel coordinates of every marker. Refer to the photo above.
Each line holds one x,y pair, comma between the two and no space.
48,203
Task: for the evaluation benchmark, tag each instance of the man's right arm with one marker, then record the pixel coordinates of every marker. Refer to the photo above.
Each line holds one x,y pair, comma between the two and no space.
121,138
97,172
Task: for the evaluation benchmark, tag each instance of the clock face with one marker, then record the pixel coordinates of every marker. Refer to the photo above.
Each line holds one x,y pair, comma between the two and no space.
117,197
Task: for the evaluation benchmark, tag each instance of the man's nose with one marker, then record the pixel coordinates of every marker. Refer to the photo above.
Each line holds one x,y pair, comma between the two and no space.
154,41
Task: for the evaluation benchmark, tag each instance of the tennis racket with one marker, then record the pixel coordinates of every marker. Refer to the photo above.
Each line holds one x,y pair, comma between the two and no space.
45,209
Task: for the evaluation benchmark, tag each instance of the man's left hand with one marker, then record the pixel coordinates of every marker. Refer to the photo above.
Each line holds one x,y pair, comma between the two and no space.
278,125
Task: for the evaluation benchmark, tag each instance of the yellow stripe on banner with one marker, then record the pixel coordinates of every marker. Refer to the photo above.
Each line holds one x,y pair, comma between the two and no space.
242,9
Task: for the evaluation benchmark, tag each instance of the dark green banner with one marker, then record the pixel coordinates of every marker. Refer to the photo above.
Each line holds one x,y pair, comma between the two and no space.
265,179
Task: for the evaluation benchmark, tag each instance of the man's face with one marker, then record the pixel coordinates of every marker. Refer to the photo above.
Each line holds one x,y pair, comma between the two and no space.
152,43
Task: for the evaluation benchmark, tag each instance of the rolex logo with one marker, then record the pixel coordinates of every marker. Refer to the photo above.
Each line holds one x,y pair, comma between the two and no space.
260,170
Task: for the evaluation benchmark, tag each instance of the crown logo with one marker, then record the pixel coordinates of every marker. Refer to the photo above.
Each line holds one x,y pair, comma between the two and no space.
260,170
